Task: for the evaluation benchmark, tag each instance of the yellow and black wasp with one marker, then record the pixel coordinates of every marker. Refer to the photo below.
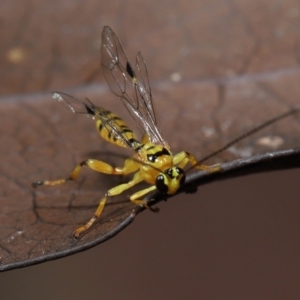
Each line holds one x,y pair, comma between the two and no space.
152,159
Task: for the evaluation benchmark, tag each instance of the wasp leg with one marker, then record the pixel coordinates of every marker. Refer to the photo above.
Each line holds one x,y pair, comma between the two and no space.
122,187
182,158
139,194
113,192
97,214
96,165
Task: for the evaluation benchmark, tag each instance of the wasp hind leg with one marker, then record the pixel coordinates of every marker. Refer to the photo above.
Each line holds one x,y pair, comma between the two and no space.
113,192
99,166
96,165
182,158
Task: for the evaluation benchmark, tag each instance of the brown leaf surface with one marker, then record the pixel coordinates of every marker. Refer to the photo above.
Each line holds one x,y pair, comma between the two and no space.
213,78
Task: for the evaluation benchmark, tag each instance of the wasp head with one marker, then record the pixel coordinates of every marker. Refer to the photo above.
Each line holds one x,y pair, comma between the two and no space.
170,180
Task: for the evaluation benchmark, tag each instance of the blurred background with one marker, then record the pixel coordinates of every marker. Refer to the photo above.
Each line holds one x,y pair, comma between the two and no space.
216,69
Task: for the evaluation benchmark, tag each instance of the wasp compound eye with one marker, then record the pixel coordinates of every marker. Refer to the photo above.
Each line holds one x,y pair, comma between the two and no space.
161,184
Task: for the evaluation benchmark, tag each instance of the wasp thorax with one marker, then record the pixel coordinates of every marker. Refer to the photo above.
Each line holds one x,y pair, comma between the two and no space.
170,181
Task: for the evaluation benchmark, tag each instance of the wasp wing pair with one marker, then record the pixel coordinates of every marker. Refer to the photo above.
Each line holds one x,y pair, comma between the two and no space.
130,85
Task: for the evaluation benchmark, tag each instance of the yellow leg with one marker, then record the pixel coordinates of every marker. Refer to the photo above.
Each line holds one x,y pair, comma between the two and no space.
98,212
182,158
139,194
96,165
112,192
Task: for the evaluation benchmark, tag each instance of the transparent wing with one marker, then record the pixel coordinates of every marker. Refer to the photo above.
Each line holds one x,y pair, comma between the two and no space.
86,107
130,85
77,106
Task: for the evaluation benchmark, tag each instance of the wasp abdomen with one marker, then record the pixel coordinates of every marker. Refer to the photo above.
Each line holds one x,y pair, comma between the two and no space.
120,134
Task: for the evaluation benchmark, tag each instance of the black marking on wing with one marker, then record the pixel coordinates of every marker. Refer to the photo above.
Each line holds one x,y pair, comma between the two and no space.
108,122
130,85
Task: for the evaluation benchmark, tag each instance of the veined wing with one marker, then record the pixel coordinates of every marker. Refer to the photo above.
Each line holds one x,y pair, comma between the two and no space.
116,130
130,85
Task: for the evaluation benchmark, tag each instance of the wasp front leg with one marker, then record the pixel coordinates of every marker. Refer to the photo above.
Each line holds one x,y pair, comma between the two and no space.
113,192
96,165
182,158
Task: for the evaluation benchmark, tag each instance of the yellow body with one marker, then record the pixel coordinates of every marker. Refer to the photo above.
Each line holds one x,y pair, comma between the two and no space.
149,162
152,160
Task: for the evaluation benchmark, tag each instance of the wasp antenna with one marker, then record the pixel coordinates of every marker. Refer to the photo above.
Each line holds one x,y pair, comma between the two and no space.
249,133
